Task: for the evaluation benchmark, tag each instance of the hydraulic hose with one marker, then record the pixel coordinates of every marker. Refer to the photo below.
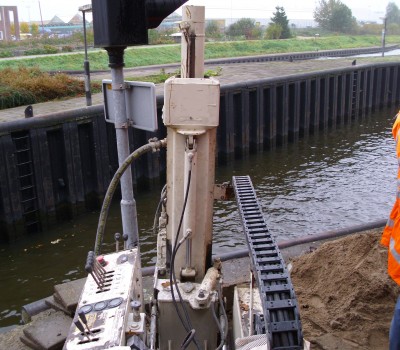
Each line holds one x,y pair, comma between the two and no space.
154,145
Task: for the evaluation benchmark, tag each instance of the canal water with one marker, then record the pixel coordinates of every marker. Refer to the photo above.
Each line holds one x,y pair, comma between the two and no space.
335,179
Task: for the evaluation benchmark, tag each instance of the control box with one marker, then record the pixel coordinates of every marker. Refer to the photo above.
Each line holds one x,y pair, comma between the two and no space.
107,310
191,103
119,23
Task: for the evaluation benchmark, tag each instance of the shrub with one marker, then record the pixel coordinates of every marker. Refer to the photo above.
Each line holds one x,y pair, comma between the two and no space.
45,50
67,48
23,86
11,97
5,53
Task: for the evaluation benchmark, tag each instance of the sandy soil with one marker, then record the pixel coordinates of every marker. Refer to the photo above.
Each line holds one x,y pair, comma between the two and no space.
346,297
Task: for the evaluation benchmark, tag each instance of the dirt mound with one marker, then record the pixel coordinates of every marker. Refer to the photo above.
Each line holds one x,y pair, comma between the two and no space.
345,295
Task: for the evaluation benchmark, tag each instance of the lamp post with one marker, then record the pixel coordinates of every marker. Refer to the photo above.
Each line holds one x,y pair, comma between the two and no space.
41,18
86,65
383,35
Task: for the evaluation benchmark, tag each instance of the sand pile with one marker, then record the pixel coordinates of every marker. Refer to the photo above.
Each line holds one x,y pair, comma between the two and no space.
346,297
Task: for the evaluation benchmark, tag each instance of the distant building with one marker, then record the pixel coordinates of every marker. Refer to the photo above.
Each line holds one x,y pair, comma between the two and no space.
8,16
171,22
57,27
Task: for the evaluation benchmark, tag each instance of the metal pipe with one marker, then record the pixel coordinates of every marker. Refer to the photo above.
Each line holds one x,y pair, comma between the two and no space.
384,36
153,327
86,65
128,204
242,253
332,234
33,309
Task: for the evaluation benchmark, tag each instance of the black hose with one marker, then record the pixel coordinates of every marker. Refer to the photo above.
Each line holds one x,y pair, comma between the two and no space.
188,327
221,331
188,339
153,145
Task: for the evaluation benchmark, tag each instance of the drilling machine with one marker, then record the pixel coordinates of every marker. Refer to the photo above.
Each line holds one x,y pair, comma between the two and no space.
186,310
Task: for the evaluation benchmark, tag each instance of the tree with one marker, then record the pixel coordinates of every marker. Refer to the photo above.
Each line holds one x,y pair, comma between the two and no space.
243,26
274,31
34,29
256,32
212,29
392,18
392,13
280,19
24,27
335,16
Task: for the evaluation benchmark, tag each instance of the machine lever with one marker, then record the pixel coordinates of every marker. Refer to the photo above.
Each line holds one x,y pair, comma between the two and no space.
79,325
83,318
117,238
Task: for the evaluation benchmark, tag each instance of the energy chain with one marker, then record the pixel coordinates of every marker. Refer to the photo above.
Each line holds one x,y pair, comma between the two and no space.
281,319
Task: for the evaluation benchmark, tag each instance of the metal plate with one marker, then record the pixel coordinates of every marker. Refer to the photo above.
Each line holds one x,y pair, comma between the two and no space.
140,104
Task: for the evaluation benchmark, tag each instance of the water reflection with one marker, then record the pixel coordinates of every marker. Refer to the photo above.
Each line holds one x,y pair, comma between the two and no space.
334,179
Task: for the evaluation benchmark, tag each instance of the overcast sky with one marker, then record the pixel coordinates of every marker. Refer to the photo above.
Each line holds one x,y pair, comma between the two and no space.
362,9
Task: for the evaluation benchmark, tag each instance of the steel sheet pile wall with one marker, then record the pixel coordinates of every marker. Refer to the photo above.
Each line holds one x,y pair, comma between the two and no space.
263,114
55,167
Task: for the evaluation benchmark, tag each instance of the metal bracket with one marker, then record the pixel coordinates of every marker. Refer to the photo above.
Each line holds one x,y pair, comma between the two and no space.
223,191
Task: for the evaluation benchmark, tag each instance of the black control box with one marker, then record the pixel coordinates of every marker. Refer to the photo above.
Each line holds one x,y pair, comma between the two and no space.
119,23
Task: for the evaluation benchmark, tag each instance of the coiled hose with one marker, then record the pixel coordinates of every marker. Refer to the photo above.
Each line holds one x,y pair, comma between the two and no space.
154,145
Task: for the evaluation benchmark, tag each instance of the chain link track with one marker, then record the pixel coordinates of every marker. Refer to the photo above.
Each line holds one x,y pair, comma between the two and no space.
281,319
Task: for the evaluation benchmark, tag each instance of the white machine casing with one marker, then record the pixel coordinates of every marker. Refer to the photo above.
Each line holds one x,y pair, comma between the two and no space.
191,115
110,325
191,111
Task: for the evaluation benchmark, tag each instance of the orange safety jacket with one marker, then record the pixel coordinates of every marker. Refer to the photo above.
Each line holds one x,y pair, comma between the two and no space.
391,233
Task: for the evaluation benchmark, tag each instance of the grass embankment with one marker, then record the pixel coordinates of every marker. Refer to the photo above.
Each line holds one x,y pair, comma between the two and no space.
23,81
144,56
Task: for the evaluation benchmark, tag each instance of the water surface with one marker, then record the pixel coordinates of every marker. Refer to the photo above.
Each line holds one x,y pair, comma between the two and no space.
335,179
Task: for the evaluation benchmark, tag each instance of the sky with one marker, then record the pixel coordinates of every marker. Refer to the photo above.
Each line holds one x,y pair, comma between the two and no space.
28,10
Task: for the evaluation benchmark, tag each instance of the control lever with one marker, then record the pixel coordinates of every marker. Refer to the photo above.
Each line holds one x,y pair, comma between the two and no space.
125,238
97,267
83,318
117,238
79,325
89,268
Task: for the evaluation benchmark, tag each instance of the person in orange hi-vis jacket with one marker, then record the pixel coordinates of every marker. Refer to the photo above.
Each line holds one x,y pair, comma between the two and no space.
391,240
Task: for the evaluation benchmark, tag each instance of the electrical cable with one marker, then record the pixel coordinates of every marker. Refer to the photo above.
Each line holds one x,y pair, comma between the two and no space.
219,328
173,295
221,305
158,210
188,339
176,246
172,278
153,145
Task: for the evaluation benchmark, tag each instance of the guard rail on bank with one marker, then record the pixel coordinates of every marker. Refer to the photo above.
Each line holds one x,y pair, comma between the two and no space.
57,166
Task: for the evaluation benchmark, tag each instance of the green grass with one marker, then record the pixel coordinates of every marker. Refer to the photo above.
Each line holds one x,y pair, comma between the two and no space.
143,56
25,81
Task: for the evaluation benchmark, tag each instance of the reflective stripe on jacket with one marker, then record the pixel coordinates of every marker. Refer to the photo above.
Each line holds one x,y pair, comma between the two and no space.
391,233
